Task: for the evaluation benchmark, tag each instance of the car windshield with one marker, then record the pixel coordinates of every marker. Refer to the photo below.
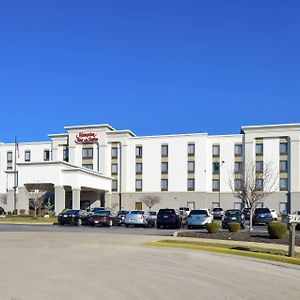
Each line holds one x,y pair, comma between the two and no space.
232,213
71,212
262,211
137,212
97,209
198,212
102,212
166,211
123,212
217,209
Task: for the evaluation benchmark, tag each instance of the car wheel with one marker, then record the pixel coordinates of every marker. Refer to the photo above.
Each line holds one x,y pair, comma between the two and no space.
110,223
79,222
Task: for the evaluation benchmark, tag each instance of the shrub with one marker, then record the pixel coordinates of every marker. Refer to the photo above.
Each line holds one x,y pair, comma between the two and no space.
277,230
234,226
213,227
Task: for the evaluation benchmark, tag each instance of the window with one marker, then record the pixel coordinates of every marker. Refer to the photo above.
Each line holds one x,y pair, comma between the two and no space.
283,184
191,166
164,184
216,185
138,185
114,185
238,150
164,167
87,166
164,150
216,167
259,165
9,156
283,166
9,168
259,184
283,148
237,184
191,184
191,149
139,151
216,150
114,169
114,152
87,153
259,149
238,167
66,153
46,155
138,168
27,155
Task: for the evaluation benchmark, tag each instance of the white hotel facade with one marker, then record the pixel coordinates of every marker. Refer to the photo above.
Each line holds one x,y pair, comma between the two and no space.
97,165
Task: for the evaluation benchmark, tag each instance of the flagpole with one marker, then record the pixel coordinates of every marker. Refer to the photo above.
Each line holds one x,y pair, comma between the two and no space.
15,177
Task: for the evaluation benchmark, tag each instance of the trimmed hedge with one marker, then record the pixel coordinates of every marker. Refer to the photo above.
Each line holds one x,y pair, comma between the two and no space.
277,230
213,227
234,226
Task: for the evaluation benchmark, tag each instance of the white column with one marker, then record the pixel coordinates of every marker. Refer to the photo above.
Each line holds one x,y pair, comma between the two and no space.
22,199
76,198
60,196
10,200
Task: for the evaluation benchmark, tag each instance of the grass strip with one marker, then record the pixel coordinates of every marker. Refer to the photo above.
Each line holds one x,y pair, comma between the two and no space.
230,249
27,220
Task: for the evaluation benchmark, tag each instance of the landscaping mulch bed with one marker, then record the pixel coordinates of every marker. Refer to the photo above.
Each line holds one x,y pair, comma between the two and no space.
244,236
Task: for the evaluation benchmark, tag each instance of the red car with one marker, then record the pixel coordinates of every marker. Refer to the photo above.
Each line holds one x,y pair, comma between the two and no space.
104,218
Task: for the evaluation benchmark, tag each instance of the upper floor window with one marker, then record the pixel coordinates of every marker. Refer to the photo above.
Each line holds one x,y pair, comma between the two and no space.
27,155
191,166
114,152
164,167
191,184
138,168
237,184
46,155
283,166
138,185
283,184
114,185
216,185
259,166
238,150
191,149
114,169
259,184
238,167
66,153
216,167
164,184
139,151
9,156
87,153
216,150
164,150
283,148
259,149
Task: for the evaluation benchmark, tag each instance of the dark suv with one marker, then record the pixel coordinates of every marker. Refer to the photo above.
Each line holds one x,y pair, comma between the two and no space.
262,216
168,218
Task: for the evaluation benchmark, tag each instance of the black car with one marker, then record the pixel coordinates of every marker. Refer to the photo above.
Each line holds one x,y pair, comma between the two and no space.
2,211
246,211
168,218
73,217
104,218
233,215
262,216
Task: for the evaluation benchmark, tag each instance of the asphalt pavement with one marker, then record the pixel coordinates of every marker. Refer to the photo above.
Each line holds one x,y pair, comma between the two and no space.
100,265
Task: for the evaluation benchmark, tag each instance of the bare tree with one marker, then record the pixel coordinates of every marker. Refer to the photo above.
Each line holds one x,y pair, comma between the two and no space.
150,201
254,185
36,200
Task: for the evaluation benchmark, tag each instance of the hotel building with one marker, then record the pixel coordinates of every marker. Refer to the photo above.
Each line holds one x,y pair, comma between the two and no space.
97,165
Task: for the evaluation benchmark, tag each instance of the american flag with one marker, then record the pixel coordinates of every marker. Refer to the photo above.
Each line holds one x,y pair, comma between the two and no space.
17,149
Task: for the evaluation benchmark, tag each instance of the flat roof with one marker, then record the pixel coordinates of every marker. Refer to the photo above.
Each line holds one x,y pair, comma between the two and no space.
90,126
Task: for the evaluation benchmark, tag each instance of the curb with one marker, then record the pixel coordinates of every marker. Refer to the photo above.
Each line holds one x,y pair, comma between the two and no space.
18,223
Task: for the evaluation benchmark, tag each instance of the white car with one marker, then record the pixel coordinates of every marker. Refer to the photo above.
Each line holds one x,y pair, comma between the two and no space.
274,214
199,217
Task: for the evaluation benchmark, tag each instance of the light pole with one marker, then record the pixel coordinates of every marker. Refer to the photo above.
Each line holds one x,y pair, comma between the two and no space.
120,175
221,164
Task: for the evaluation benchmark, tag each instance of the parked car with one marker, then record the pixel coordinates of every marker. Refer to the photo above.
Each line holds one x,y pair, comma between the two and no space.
218,212
274,214
168,217
246,212
233,215
199,217
73,217
2,211
104,218
262,216
153,216
122,214
139,217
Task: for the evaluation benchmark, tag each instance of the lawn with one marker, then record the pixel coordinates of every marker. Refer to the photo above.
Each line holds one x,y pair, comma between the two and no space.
28,220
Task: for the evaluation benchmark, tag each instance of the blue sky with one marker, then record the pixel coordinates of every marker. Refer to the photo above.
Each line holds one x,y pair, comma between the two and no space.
155,67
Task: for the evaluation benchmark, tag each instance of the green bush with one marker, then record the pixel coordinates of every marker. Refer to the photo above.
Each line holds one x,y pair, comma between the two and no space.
234,226
277,230
213,227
